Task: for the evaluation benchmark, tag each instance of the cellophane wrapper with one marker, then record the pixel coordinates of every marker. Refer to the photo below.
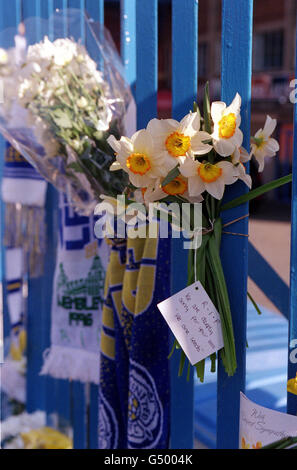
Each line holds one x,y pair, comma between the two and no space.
64,94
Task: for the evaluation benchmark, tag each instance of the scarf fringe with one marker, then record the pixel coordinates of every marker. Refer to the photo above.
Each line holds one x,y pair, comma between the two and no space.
71,364
25,227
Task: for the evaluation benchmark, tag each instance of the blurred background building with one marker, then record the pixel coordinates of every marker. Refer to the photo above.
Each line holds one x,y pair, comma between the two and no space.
273,70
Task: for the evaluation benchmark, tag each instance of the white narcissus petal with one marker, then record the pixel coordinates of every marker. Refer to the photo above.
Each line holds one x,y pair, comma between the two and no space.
142,142
216,189
238,138
190,124
261,162
269,126
197,145
160,129
189,167
217,109
272,145
234,107
244,155
115,166
236,156
168,162
140,181
229,173
196,186
114,143
193,199
224,147
244,176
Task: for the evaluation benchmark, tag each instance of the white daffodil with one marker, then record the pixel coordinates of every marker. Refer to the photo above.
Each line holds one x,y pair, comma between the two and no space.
240,154
208,177
156,192
136,156
226,134
239,157
263,145
174,140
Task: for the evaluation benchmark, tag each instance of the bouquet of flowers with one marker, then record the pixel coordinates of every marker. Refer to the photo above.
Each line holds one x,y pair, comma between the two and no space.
193,161
60,107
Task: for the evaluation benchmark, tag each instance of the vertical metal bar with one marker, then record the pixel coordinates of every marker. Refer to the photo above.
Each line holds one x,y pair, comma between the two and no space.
292,349
96,11
38,336
236,77
93,417
147,60
78,390
10,15
184,92
78,5
79,415
128,40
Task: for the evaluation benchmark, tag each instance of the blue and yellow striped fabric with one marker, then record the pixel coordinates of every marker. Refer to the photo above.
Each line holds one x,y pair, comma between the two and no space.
134,378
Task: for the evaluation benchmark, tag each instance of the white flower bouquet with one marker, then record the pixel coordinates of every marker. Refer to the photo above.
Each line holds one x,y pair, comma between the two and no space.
193,161
62,100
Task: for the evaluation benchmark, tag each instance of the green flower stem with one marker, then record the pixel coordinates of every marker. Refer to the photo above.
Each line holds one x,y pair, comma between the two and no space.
257,192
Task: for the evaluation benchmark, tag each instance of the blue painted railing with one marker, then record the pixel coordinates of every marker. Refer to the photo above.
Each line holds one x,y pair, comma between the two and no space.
292,366
74,403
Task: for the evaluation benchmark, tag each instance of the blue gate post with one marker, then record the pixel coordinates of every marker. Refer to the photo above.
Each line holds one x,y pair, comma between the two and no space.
9,17
184,93
96,11
292,364
236,77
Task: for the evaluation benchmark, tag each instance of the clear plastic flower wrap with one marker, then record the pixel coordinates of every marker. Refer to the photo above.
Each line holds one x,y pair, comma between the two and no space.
63,97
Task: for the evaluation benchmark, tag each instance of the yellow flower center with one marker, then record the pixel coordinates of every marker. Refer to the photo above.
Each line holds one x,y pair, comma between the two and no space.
178,144
178,186
209,173
227,126
138,163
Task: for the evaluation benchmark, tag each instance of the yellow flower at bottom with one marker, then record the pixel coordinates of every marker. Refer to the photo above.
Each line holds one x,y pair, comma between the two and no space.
257,446
209,173
244,444
178,186
46,438
138,163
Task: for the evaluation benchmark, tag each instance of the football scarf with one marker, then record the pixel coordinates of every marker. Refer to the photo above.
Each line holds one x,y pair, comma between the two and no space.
77,299
134,396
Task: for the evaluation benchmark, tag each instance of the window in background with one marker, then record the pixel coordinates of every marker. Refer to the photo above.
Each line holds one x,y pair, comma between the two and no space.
268,50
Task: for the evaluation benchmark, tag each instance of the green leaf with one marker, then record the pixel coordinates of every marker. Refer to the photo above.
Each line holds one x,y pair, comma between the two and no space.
229,354
257,192
254,304
196,109
282,443
173,348
171,175
200,369
181,363
206,109
61,119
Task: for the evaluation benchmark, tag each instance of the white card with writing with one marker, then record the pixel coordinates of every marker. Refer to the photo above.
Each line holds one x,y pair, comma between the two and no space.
261,426
194,321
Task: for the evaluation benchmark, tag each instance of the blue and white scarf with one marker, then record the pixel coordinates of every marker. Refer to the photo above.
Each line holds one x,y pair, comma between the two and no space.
77,299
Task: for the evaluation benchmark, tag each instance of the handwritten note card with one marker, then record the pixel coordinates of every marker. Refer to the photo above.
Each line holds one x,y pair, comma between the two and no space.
194,321
261,426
